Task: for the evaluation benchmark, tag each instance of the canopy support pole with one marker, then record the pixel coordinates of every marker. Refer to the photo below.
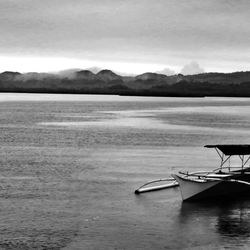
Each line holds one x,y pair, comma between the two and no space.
218,152
224,161
242,160
221,155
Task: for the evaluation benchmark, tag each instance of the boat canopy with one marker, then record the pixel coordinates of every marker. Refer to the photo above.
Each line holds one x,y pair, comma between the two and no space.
232,149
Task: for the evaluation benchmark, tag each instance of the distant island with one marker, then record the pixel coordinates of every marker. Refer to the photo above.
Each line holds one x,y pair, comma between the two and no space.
235,84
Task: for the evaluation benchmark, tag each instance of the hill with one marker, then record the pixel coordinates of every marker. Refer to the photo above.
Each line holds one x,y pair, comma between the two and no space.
108,82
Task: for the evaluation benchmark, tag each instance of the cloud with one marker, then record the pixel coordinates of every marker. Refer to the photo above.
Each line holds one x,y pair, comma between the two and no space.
157,32
94,69
68,73
192,68
34,76
166,71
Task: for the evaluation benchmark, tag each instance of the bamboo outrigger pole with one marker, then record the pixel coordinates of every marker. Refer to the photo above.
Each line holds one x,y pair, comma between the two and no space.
144,189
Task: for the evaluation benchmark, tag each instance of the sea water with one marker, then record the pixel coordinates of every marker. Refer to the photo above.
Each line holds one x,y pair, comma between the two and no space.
69,165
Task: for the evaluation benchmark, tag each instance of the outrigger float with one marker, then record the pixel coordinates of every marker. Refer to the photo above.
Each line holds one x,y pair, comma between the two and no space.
225,181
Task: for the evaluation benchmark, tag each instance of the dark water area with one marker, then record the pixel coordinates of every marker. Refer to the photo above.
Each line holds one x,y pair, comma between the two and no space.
70,164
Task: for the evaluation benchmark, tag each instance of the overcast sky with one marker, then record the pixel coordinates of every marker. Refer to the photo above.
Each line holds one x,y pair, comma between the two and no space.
130,36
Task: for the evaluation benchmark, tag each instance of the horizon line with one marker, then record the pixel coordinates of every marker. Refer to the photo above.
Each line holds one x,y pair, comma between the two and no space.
74,70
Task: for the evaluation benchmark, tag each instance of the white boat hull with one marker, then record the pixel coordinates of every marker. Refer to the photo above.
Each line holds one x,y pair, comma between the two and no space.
196,189
190,188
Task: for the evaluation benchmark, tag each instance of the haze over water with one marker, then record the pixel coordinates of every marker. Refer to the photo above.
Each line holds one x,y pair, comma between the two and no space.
70,164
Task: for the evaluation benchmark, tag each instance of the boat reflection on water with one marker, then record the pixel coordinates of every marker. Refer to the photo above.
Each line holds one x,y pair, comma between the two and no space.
227,221
234,225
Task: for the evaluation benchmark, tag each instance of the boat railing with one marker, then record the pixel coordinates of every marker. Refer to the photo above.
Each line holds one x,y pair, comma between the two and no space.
229,168
221,172
197,173
206,175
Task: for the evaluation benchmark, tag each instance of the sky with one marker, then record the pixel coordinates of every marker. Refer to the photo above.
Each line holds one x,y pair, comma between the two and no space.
127,36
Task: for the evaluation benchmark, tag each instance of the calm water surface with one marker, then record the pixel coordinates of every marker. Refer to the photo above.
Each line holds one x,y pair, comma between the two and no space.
70,164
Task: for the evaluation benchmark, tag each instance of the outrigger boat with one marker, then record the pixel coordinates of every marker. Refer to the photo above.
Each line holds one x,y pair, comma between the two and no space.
225,181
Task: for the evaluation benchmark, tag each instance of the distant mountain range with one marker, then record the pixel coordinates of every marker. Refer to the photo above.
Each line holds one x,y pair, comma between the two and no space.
148,84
